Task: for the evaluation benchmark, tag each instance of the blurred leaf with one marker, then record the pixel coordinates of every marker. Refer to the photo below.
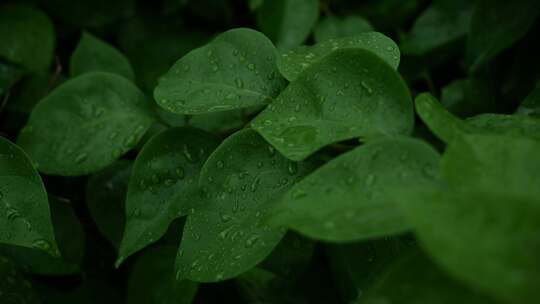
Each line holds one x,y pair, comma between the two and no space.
287,23
93,55
152,279
14,288
28,37
332,27
496,25
105,197
443,22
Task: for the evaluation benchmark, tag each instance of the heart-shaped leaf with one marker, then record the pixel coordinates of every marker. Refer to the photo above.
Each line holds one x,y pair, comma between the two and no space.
287,22
164,185
27,37
93,54
362,182
292,63
332,27
236,70
224,236
347,94
25,218
483,225
86,124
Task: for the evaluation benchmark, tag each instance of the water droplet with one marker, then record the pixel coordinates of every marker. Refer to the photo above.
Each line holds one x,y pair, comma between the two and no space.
297,108
220,164
293,168
239,83
81,157
225,232
169,182
187,154
368,89
250,242
225,218
251,66
255,184
370,180
299,193
180,172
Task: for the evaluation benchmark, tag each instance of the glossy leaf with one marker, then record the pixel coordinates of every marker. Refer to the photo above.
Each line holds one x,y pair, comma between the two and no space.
483,227
14,287
236,70
332,27
158,264
405,282
105,198
448,127
292,63
25,219
363,180
287,22
496,25
348,94
85,124
27,37
95,55
164,185
224,235
531,105
69,235
442,23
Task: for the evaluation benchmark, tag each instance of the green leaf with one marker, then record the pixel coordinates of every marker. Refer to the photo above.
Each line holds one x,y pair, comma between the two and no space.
224,235
348,94
361,188
442,23
25,217
483,226
27,37
163,185
236,70
14,287
448,127
287,22
152,280
86,124
69,235
292,63
93,54
105,197
531,105
261,286
413,279
496,25
332,27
